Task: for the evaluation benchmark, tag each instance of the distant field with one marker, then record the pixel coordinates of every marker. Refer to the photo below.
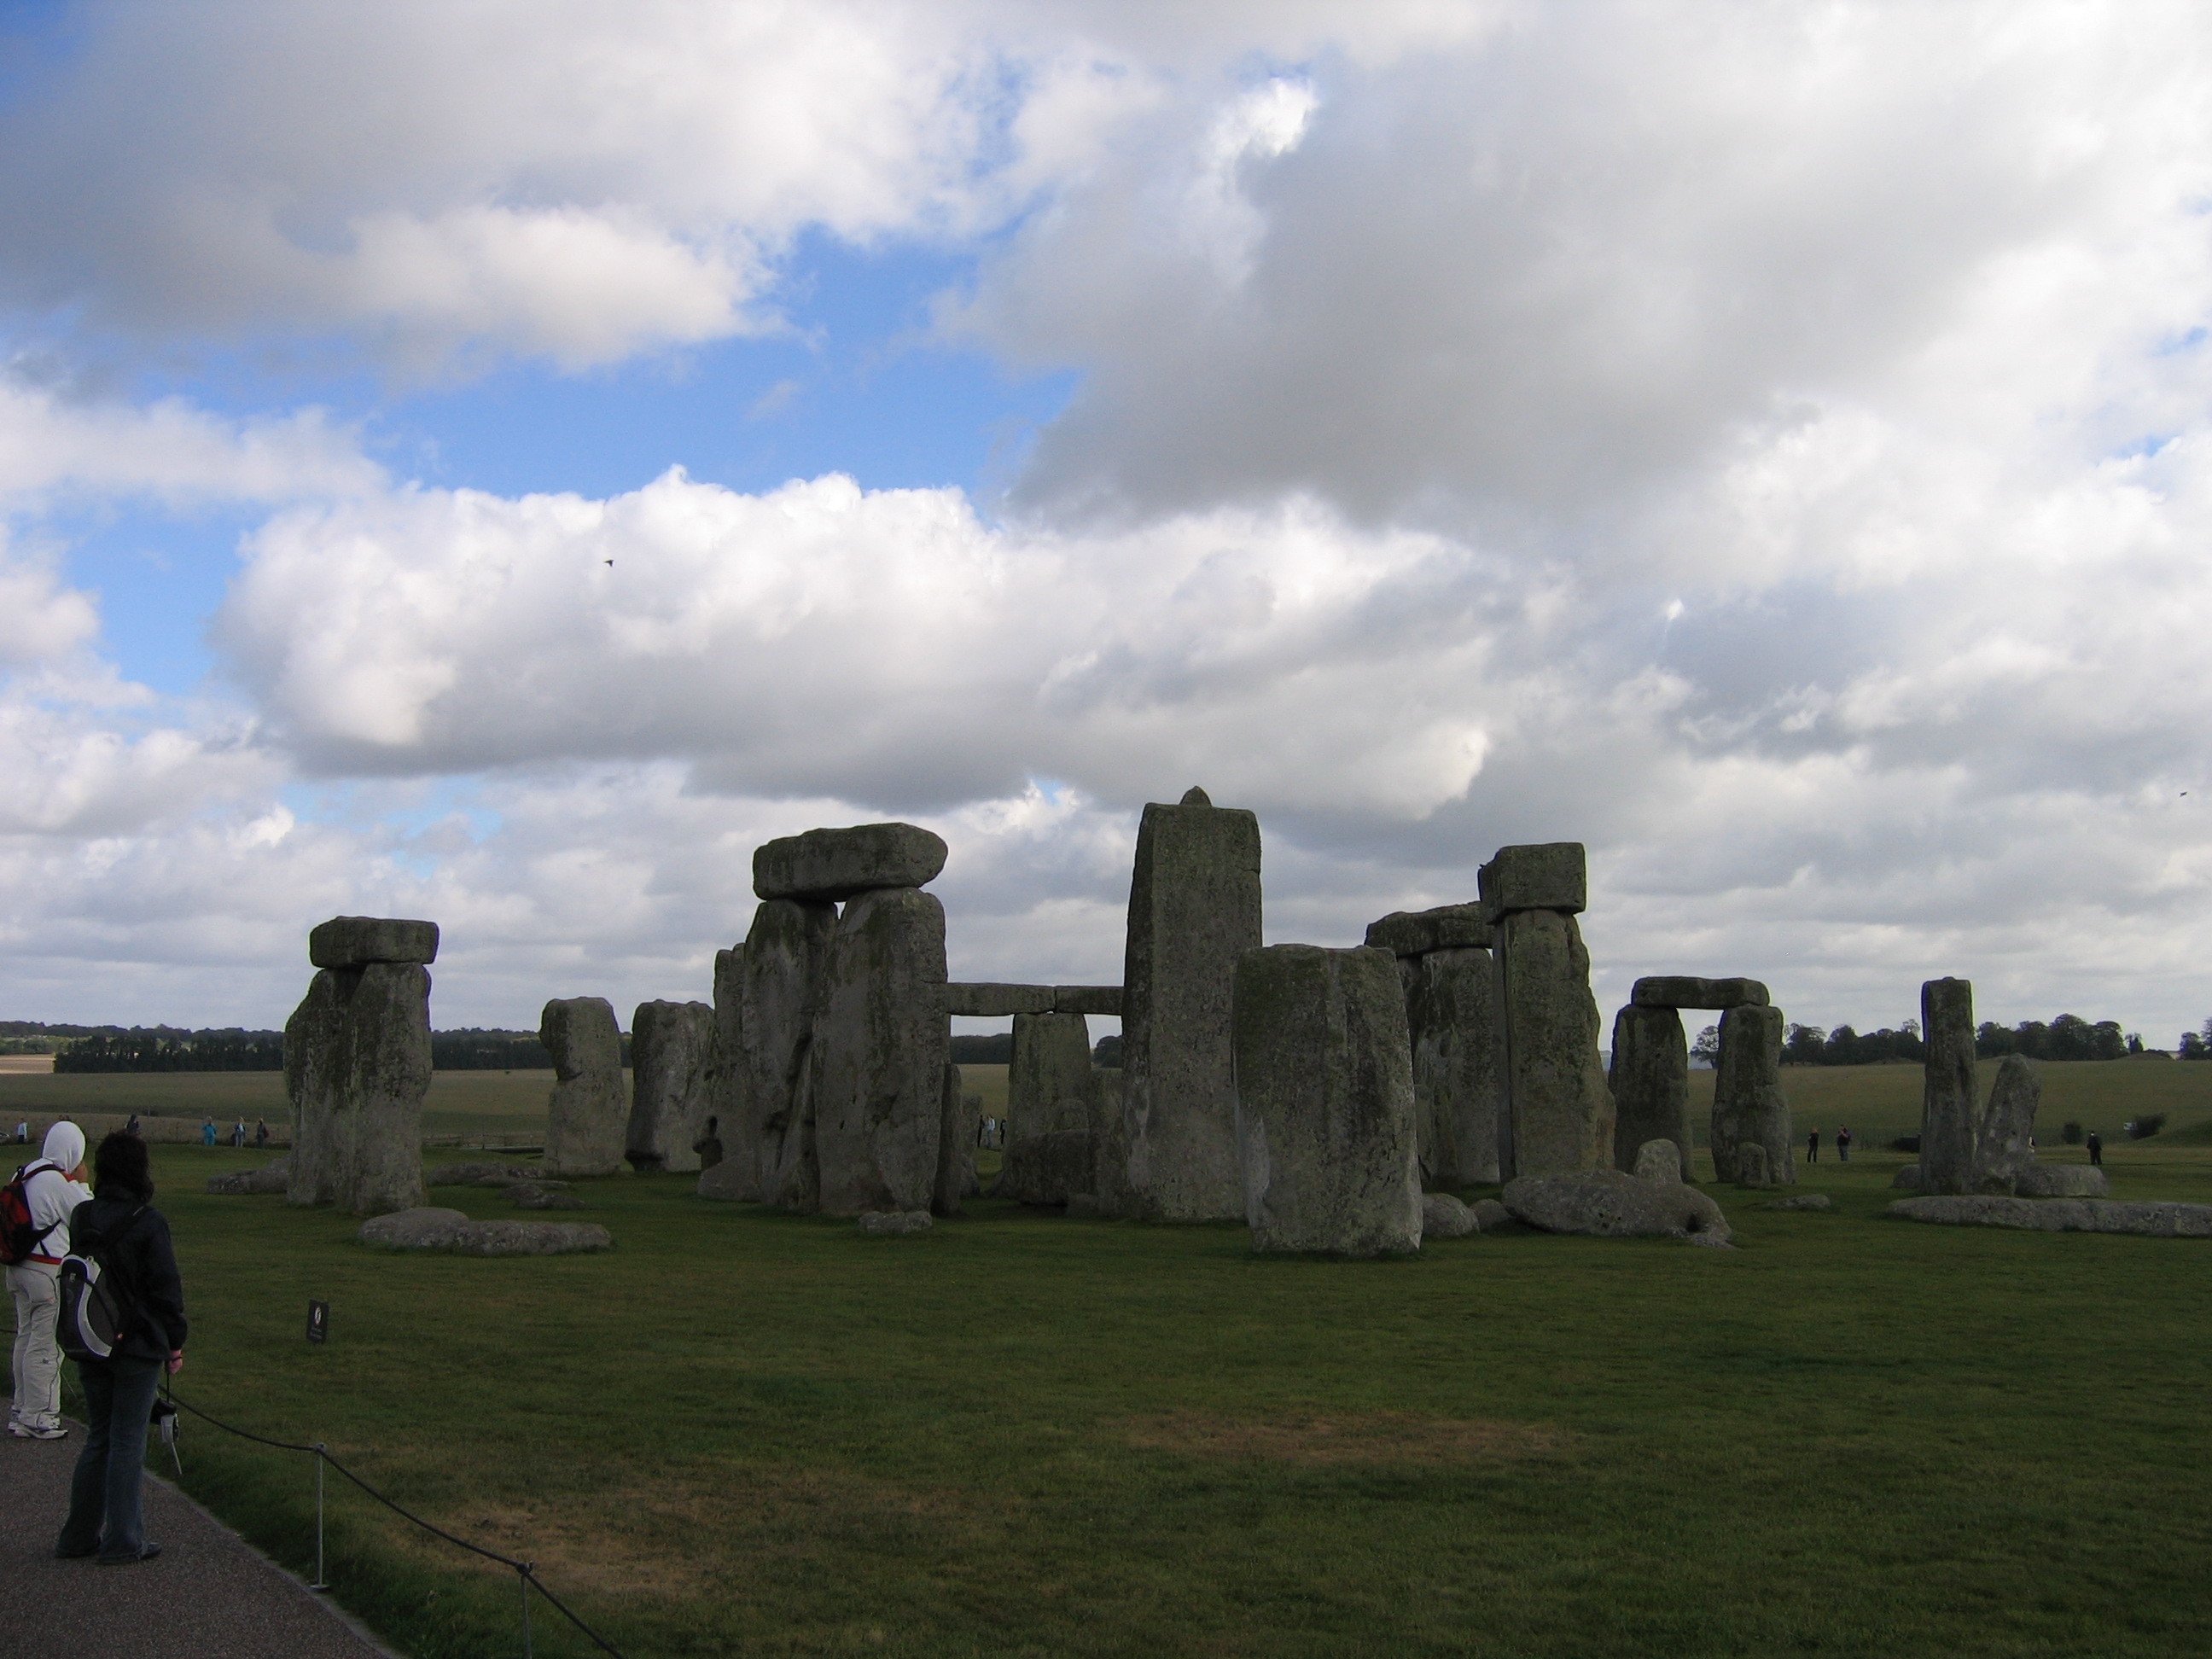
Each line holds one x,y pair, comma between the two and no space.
474,1104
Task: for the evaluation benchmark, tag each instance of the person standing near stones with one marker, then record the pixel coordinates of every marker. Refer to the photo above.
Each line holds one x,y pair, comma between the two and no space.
131,1128
53,1190
260,1134
2096,1150
1812,1146
132,1241
1843,1144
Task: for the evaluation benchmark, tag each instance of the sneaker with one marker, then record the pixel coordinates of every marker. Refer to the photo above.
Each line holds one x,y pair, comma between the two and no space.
27,1432
147,1551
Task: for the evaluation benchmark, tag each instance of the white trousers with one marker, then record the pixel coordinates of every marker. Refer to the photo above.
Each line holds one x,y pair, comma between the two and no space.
38,1359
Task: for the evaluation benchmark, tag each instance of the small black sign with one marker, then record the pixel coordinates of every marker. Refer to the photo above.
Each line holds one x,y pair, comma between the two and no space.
318,1321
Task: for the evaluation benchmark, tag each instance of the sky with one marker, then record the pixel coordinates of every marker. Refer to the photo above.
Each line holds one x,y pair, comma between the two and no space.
499,462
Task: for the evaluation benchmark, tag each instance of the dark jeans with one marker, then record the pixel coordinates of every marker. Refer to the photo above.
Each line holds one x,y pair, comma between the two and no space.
119,1399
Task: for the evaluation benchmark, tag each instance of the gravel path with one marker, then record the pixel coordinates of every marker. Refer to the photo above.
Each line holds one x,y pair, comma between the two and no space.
208,1596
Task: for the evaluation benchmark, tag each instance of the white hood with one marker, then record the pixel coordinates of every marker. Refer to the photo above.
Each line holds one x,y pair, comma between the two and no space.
65,1147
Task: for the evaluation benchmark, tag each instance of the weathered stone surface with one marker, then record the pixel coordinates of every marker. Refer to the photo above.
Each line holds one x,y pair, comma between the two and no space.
956,1150
2059,1215
450,1231
1751,1166
1086,1206
725,1183
1325,1102
1909,1176
1948,1115
1748,1104
1051,1083
1047,1169
1681,991
356,941
1193,910
1417,932
1711,1241
1110,1154
543,1196
587,1113
1802,1202
1549,876
2004,1139
1443,1216
876,1069
669,1045
422,1228
1561,1117
785,958
1490,1215
895,1224
1650,1086
729,1083
1659,1160
983,999
1451,1014
272,1177
2062,1180
831,865
470,1173
357,1068
1611,1205
1104,999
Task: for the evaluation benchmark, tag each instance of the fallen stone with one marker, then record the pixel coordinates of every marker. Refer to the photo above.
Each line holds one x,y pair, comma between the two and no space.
1748,1105
1325,1102
982,999
1681,991
357,1068
2062,1180
1802,1202
543,1196
1443,1216
274,1178
1661,1161
587,1113
876,1071
1649,1082
1193,910
1551,876
356,941
1908,1177
529,1238
1949,1121
1561,1119
424,1228
470,1174
1417,932
669,1046
2066,1215
1751,1169
2004,1139
895,1224
1490,1215
1105,999
1608,1204
1452,1013
831,865
1047,1169
780,979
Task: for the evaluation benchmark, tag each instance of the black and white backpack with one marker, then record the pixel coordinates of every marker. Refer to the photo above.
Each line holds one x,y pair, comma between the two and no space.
94,1310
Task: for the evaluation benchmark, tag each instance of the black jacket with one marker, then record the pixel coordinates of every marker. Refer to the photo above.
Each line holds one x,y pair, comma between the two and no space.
136,1249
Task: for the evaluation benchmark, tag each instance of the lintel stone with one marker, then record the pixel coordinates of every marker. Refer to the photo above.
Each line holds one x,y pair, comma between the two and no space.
835,865
1681,991
356,941
1547,876
1086,1000
984,999
1446,927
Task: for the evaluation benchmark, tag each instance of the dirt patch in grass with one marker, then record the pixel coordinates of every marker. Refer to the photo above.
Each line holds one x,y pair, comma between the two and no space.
1345,1438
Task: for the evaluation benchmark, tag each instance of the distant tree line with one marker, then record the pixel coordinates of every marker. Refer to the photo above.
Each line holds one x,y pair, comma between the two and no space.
173,1049
2066,1037
478,1050
2197,1044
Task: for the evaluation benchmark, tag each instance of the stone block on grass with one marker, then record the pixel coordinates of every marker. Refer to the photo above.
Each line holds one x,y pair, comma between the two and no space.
1608,1204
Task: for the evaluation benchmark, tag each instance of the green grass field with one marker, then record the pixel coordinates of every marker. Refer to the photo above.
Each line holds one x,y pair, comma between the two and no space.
1021,1435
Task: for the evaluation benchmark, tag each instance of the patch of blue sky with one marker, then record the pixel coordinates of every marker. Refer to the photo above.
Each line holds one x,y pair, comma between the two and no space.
36,37
407,810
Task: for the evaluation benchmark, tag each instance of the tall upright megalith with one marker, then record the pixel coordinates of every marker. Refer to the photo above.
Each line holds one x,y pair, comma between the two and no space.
357,1066
669,1045
1325,1129
1650,1084
1559,1112
779,986
1193,910
1947,1099
729,1079
1749,1107
587,1115
1451,1017
876,1068
1051,1080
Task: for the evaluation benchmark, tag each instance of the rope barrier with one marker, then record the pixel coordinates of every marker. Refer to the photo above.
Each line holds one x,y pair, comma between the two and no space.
525,1571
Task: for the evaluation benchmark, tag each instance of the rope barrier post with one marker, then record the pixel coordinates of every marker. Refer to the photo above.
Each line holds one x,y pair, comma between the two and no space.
524,1575
320,1584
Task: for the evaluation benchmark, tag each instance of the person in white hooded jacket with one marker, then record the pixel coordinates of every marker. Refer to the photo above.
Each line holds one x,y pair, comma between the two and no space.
53,1188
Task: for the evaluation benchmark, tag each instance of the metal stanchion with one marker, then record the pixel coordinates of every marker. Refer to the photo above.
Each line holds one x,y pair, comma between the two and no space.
320,1584
525,1576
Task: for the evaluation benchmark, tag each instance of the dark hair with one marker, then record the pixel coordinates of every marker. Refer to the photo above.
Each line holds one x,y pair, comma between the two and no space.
121,1163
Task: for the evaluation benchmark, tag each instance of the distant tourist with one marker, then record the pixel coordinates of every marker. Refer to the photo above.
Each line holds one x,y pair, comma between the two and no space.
131,1128
2096,1150
1843,1146
1813,1146
238,1134
260,1132
22,1134
133,1240
52,1188
207,1133
709,1145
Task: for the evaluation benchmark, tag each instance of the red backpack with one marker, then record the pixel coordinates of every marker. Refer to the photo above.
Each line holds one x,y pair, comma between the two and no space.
19,1237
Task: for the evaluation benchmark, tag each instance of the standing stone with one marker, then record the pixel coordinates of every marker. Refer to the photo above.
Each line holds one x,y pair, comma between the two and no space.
1659,1160
1947,1099
956,1149
729,1085
357,1066
1193,910
1451,1009
1650,1083
780,991
1561,1120
587,1115
1748,1104
1051,1083
1751,1165
2004,1142
1325,1102
668,1049
881,1045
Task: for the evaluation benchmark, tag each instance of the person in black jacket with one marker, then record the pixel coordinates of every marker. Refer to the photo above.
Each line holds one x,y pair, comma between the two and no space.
131,1241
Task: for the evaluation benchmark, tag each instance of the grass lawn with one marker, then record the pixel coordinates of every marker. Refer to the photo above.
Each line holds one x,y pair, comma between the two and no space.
1020,1435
